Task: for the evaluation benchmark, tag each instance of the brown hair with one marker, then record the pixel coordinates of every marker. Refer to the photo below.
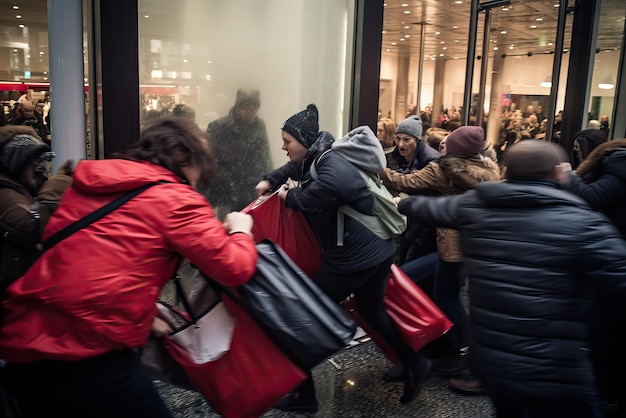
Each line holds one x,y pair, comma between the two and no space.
174,142
389,127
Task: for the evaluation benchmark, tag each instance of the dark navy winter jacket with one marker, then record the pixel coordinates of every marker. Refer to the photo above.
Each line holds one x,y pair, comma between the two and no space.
534,254
338,183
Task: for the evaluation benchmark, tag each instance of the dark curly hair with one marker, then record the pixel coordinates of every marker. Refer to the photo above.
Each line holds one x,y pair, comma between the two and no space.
174,142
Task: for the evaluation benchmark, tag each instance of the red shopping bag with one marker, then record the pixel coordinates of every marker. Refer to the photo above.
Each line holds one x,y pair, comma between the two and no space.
417,317
288,228
250,378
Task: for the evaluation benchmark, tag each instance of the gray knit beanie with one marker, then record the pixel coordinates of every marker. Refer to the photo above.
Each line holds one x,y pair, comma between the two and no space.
411,126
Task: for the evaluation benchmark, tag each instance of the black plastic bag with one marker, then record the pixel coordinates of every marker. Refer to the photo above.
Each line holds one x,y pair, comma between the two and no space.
294,312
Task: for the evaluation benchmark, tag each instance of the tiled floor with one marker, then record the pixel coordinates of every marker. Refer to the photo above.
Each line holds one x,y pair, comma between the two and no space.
350,385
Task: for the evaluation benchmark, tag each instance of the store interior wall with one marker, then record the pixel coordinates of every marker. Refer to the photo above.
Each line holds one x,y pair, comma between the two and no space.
521,75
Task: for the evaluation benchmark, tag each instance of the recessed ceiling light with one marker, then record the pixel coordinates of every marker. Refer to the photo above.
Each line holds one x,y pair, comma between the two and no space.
405,5
394,43
15,7
401,39
20,25
437,33
539,19
406,12
533,26
146,16
511,47
444,48
495,48
505,9
443,42
387,50
455,27
441,55
458,2
407,36
185,61
384,31
407,27
18,16
503,32
549,43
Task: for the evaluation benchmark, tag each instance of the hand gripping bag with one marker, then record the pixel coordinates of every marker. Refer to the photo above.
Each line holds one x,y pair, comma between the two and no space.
288,228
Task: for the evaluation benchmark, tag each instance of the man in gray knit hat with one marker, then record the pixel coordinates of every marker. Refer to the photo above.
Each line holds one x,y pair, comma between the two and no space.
411,152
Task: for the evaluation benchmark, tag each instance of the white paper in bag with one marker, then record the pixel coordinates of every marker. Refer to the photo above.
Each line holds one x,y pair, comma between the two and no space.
208,339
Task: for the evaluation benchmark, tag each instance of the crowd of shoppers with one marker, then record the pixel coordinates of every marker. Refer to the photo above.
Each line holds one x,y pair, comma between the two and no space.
542,247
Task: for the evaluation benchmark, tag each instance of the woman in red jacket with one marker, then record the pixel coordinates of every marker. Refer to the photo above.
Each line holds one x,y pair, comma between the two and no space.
72,321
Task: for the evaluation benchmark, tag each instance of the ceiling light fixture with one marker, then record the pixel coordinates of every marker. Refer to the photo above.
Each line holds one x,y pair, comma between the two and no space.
606,84
18,16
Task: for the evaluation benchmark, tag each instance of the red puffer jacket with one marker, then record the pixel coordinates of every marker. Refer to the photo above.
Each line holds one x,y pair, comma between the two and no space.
96,290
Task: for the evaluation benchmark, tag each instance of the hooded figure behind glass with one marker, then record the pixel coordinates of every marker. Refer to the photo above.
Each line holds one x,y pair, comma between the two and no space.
240,143
27,198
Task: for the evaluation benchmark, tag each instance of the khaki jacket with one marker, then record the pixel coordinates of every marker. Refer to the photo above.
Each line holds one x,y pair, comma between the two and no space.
449,175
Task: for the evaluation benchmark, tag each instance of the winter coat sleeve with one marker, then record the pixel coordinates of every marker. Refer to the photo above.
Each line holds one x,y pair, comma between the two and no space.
601,261
282,174
441,211
20,222
193,231
50,195
598,194
426,179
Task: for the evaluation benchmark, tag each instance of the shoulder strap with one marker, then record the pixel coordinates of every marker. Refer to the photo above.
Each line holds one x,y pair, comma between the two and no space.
313,169
93,216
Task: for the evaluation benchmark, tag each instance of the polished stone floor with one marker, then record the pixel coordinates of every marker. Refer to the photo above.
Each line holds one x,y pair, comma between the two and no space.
350,385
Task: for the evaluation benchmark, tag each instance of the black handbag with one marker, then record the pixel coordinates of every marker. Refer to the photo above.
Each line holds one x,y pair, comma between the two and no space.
304,322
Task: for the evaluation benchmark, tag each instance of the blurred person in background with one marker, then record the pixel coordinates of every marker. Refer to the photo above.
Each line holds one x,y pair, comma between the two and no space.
241,145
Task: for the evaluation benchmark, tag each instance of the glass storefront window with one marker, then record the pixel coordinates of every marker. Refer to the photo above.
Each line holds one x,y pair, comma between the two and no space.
200,53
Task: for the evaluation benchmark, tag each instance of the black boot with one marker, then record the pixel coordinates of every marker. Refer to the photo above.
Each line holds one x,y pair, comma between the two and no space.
415,374
301,399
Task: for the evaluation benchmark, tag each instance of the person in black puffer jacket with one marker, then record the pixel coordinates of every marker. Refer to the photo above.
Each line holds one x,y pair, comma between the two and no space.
535,255
601,181
361,265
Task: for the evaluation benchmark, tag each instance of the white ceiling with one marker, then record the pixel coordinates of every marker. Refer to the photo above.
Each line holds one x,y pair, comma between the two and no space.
446,27
446,24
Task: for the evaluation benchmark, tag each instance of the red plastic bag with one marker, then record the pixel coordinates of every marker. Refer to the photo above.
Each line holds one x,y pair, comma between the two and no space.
250,378
288,228
417,317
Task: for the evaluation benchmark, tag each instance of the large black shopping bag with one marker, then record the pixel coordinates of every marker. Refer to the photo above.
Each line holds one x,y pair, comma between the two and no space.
293,311
225,355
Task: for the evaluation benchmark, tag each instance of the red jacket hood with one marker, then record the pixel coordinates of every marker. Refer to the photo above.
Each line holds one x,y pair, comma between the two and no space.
115,176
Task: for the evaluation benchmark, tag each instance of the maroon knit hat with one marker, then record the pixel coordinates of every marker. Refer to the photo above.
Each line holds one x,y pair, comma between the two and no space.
466,140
